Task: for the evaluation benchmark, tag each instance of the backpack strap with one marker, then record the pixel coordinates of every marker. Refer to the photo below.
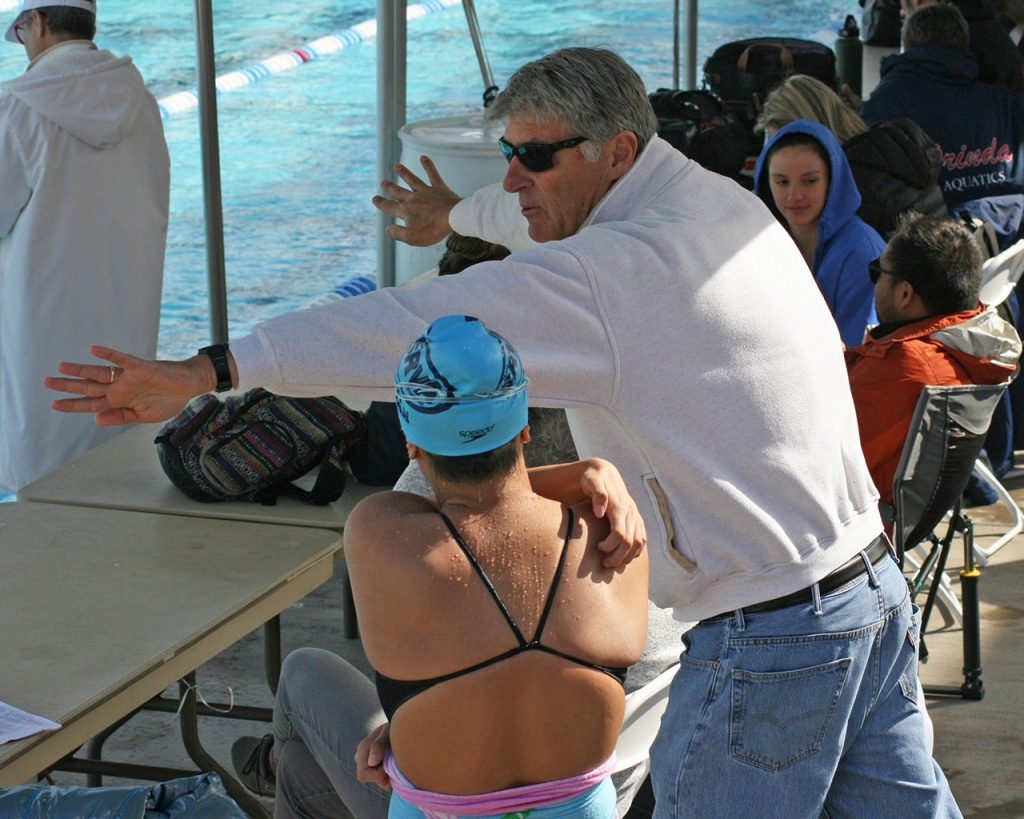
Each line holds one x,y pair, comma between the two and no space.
328,487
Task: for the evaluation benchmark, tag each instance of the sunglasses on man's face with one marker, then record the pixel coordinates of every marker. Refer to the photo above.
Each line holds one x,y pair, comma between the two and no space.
20,26
875,270
537,156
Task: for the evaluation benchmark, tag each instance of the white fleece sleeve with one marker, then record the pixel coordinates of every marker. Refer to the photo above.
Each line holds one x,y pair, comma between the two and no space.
541,300
493,215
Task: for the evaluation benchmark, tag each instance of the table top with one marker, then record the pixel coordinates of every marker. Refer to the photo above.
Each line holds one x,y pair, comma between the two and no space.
103,609
125,473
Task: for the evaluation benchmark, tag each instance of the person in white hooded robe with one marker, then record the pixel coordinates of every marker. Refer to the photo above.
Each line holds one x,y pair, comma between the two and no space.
85,176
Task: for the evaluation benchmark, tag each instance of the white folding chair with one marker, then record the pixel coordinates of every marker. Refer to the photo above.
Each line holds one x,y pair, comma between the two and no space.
1005,498
1000,274
640,725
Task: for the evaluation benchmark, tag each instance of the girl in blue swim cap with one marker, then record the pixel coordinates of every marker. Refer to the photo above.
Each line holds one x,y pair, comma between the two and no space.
499,640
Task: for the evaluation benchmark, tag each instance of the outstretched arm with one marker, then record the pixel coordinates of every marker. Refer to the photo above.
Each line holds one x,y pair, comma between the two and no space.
424,206
599,481
133,390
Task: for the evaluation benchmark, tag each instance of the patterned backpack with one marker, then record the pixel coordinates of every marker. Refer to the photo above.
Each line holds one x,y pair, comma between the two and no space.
251,447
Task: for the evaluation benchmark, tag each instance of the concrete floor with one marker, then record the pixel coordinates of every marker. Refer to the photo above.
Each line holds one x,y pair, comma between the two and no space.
979,744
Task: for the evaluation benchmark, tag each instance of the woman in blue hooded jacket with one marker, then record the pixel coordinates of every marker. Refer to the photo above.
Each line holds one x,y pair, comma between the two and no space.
804,178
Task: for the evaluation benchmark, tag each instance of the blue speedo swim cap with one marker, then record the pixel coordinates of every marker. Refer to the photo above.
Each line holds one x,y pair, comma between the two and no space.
460,389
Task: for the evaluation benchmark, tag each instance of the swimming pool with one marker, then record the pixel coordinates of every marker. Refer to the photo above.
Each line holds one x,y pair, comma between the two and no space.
298,148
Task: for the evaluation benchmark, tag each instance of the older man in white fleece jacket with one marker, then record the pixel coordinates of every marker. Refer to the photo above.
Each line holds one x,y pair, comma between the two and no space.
674,317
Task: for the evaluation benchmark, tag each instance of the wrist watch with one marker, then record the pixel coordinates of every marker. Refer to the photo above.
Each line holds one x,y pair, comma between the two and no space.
218,354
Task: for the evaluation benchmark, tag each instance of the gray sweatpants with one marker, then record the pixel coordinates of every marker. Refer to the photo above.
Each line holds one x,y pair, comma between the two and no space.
325,706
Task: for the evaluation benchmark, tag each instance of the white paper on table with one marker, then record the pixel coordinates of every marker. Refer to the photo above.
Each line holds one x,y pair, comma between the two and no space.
18,724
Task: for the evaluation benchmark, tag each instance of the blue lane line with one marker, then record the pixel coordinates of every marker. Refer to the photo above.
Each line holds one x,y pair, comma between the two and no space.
182,101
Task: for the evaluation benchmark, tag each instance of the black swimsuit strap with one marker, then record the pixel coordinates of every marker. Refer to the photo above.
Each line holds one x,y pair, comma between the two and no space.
468,552
552,592
483,576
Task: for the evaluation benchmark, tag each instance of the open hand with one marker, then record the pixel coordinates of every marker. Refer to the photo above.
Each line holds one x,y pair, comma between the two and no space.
131,390
423,206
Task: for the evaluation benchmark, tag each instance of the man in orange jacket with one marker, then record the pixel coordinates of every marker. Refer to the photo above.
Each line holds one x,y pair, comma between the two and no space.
932,331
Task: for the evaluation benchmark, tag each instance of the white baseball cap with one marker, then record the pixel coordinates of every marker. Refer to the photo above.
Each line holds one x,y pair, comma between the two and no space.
28,5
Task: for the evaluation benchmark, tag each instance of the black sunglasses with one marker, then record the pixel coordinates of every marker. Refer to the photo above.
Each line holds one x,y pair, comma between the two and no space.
875,270
21,24
537,156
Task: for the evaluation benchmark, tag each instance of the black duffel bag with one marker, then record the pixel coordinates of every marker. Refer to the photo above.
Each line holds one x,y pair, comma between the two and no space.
701,126
743,72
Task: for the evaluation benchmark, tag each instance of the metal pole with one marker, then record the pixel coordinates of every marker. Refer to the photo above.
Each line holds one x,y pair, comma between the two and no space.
675,44
490,89
210,146
691,43
390,116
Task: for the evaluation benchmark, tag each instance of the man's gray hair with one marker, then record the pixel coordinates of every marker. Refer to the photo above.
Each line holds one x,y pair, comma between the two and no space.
592,90
940,24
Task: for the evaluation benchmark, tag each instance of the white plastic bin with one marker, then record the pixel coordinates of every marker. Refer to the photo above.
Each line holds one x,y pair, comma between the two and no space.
467,155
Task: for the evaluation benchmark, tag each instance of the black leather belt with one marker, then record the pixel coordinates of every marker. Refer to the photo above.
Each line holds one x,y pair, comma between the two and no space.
850,570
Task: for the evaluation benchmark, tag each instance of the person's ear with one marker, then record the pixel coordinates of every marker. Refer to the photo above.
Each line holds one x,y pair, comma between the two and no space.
524,435
905,294
623,149
413,450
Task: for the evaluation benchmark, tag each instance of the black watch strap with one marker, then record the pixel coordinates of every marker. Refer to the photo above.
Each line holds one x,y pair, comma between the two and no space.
218,354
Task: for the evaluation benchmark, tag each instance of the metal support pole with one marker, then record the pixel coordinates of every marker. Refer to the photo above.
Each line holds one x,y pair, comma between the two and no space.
210,146
490,89
676,24
391,61
972,687
94,749
272,651
691,44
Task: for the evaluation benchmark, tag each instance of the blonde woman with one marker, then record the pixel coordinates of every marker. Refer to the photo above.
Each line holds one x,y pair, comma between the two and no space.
895,164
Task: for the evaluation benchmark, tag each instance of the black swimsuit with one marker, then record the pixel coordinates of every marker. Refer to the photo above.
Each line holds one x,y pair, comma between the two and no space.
393,693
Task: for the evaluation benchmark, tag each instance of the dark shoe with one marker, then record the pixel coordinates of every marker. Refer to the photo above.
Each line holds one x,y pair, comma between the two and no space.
251,759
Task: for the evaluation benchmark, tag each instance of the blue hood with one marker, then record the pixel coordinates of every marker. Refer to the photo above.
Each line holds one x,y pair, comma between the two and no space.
846,244
843,197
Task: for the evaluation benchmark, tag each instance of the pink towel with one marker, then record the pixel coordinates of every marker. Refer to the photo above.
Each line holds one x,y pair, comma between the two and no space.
511,800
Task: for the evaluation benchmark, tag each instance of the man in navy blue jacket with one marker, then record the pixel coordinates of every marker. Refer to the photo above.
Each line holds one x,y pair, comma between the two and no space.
979,128
999,60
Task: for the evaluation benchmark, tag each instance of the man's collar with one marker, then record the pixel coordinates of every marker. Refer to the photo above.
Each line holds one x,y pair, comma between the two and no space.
62,45
641,158
880,331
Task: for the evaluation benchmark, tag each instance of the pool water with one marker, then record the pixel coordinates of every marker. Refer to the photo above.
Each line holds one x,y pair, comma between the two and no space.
298,148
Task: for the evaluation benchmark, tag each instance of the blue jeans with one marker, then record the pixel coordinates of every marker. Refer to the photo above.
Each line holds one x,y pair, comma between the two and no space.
802,713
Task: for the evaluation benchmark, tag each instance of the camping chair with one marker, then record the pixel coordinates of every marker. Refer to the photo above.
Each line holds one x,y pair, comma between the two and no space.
946,435
640,724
